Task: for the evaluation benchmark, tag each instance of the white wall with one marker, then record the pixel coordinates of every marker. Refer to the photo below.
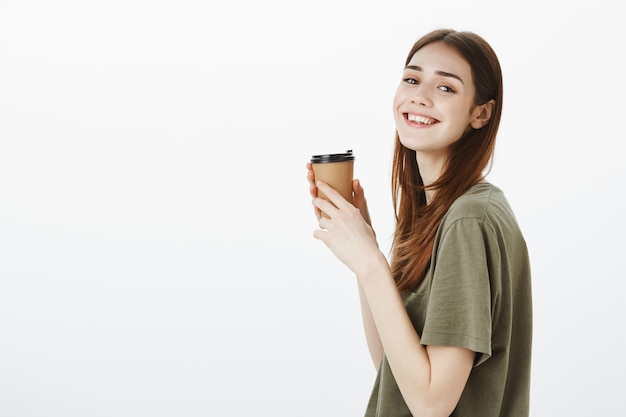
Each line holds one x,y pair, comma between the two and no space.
156,255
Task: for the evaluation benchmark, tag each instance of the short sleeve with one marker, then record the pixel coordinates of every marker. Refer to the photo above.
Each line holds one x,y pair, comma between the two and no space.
459,305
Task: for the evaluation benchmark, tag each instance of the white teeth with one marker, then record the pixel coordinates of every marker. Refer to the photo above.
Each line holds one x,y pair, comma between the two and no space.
420,119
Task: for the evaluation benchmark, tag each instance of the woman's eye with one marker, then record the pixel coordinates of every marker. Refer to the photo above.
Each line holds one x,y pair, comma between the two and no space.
446,89
410,80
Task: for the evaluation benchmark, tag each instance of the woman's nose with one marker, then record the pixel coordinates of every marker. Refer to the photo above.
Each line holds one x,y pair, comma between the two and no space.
421,97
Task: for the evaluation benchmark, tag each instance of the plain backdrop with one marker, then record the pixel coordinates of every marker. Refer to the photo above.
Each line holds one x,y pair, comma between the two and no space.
156,250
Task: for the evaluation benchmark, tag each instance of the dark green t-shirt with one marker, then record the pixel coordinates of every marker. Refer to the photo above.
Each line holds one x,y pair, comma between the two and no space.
476,294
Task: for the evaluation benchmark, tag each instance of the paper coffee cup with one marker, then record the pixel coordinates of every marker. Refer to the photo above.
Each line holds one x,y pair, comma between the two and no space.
336,170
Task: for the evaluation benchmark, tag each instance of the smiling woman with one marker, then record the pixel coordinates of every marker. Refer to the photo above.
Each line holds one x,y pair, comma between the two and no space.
155,236
445,318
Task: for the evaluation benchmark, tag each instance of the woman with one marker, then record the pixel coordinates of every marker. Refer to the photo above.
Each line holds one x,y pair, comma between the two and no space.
448,322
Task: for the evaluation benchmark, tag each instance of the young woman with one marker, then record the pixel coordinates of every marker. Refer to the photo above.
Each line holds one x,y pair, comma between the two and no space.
448,322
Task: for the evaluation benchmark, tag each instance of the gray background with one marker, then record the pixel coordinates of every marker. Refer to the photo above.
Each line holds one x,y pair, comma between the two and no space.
156,256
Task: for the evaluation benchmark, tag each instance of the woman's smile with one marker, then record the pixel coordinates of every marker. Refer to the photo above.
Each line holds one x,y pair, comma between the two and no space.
419,120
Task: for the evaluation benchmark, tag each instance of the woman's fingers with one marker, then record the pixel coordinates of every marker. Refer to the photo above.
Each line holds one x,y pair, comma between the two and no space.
359,200
332,194
358,194
321,204
310,176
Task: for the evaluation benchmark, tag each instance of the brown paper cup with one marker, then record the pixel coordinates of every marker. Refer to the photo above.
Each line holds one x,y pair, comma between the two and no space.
336,170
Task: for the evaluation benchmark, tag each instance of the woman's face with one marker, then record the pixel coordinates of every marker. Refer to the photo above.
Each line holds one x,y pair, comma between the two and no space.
434,103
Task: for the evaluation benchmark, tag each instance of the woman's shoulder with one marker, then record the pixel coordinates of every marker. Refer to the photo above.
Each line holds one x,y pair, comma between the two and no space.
476,201
484,202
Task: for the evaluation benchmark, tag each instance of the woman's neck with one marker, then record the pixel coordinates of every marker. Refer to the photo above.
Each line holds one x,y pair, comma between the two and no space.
430,170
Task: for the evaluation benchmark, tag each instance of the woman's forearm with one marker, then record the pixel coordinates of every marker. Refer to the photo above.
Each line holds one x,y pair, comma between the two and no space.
372,338
396,334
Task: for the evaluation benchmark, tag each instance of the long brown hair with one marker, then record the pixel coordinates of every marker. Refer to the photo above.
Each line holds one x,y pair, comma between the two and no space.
469,157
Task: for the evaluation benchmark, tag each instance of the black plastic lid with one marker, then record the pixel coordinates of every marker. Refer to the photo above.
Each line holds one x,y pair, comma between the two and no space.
333,157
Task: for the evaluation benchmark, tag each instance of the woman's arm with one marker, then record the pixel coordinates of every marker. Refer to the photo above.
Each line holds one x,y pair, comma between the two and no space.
431,379
372,338
371,334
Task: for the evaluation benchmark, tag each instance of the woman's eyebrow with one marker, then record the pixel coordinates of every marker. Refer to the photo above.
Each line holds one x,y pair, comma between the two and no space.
442,73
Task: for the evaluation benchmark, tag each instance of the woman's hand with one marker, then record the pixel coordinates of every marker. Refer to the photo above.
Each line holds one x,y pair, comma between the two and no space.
359,201
358,196
310,176
346,231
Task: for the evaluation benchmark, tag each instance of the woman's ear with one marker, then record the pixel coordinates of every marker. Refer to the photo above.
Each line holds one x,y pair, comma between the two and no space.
482,114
